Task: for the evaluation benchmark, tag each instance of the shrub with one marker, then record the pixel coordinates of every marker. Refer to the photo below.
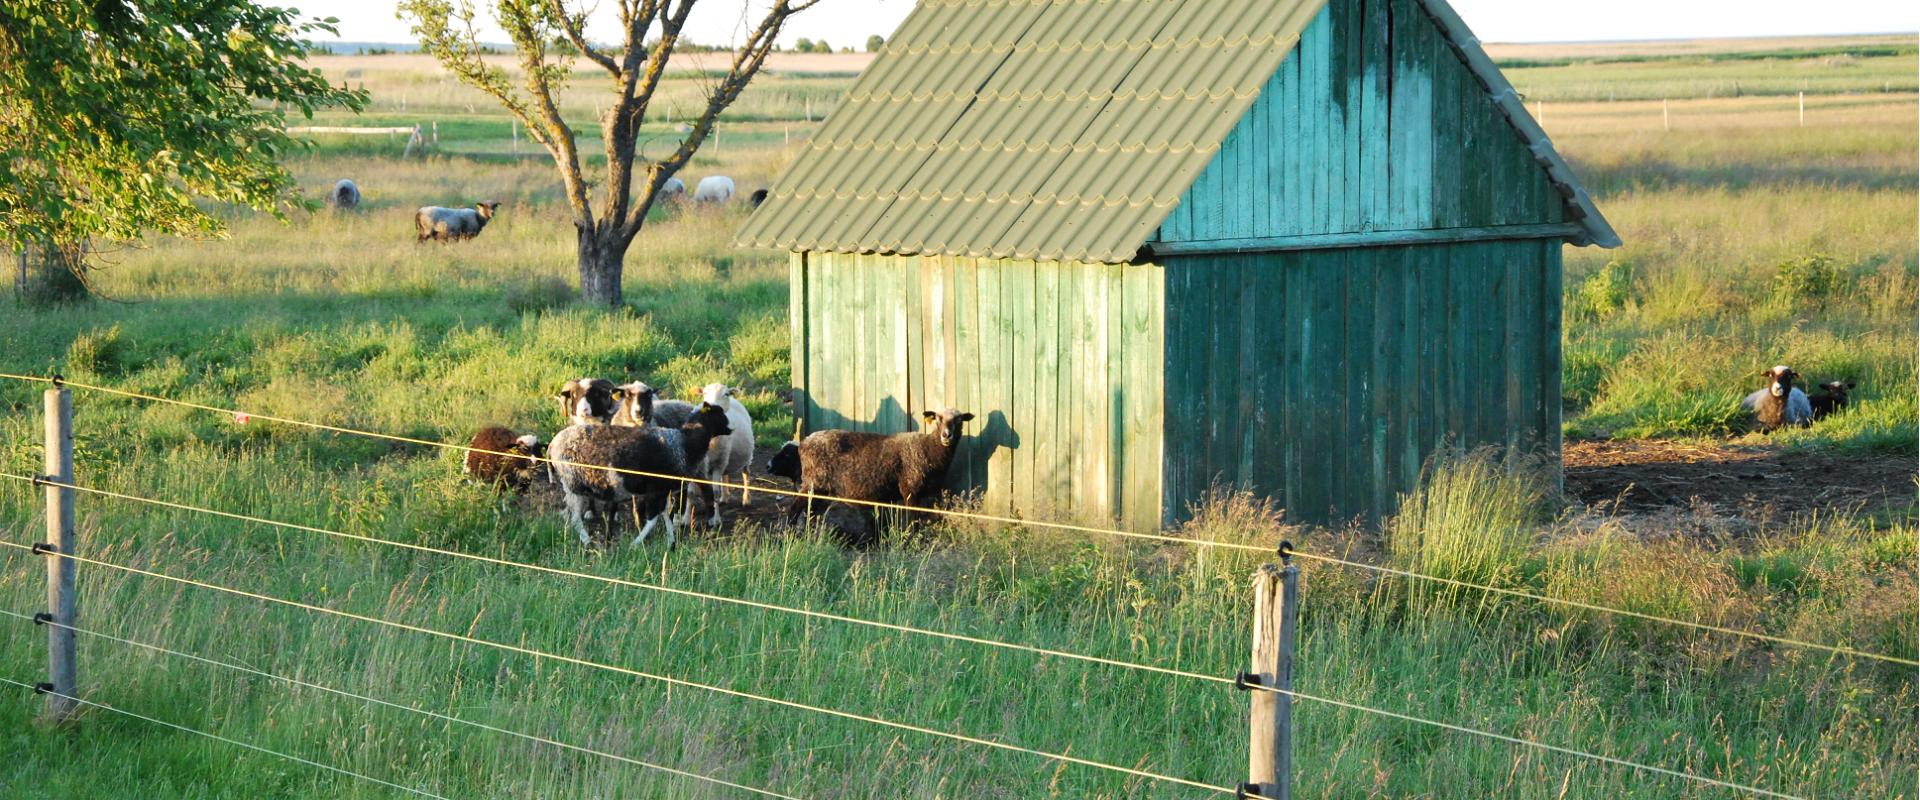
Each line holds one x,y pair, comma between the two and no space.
94,352
1605,292
1808,279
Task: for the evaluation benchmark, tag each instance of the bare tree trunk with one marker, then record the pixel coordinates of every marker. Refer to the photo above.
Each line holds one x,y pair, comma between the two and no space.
602,257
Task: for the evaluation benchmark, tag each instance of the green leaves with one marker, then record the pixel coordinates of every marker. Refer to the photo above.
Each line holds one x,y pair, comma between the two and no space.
116,116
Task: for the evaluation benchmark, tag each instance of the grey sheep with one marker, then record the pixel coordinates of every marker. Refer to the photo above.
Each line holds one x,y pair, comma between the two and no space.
345,195
1780,403
903,468
452,224
586,457
714,189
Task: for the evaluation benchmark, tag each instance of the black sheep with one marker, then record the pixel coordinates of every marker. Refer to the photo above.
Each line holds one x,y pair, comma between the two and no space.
903,468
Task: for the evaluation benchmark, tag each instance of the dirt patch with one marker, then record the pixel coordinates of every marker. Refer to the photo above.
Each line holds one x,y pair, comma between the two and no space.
1658,476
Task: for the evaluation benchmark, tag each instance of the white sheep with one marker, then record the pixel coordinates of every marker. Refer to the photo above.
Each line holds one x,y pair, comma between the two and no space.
452,224
729,455
345,195
673,191
714,189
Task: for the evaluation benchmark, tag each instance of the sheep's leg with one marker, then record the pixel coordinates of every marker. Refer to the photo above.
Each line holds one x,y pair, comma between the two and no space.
746,493
714,494
648,529
576,515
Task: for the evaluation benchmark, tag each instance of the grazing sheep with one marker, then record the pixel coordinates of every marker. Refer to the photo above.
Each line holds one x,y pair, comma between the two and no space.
906,468
1780,403
584,454
345,195
452,224
714,189
673,190
759,196
508,461
1832,400
730,455
588,401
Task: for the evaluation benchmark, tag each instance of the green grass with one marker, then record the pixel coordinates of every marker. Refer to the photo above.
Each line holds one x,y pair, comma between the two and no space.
343,319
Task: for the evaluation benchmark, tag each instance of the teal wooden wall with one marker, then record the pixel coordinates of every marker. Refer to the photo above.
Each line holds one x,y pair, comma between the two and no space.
1060,362
1371,124
1325,378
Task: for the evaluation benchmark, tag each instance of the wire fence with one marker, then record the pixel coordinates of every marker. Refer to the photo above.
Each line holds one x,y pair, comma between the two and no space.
1060,757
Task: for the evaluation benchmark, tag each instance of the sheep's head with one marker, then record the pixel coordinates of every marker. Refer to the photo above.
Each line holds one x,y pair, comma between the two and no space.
486,208
1780,380
949,421
587,401
635,401
711,417
1838,388
529,445
716,394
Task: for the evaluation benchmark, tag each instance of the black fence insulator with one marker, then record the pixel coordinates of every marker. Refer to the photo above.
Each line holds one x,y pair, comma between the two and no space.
42,618
1286,551
1247,790
42,688
1245,681
59,380
40,480
42,548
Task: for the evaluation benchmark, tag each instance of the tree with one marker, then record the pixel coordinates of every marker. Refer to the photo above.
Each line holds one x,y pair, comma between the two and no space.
116,115
803,45
650,31
875,42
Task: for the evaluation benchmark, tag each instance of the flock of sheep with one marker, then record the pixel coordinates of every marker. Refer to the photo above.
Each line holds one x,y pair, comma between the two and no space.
439,223
1780,403
628,449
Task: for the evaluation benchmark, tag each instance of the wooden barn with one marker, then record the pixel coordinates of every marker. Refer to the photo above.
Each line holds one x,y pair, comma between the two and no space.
1289,246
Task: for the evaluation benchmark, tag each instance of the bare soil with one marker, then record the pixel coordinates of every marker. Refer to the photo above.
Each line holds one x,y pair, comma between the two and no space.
1639,477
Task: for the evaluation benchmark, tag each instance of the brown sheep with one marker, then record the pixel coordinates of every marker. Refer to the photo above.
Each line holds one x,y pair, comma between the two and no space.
497,469
904,468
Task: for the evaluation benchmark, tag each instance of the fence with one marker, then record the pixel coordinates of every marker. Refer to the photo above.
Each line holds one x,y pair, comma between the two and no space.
1269,680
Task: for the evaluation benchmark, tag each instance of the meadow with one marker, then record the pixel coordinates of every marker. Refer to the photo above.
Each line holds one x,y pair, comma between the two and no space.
1750,240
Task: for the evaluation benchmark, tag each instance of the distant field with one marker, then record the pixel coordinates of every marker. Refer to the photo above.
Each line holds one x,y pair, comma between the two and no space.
1749,240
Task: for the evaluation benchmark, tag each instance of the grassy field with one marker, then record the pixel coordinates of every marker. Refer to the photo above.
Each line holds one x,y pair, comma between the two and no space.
1750,241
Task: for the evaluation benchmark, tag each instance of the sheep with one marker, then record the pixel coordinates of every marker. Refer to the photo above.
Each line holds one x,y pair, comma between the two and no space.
730,455
503,459
906,468
759,196
585,457
639,405
786,462
345,195
715,189
1832,400
588,401
452,224
1780,403
673,190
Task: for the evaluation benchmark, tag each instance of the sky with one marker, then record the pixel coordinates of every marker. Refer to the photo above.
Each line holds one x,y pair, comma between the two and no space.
848,23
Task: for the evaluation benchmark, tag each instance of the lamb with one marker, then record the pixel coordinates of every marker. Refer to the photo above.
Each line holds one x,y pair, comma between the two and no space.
715,189
907,468
586,456
588,401
345,195
452,224
503,459
1780,403
1832,400
728,456
786,462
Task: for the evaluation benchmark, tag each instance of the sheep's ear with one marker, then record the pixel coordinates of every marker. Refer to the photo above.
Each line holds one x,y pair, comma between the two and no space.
929,417
1851,384
965,417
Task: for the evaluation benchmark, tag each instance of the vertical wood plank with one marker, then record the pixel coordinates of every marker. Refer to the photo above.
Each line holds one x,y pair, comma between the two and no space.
968,312
1119,352
798,311
1021,285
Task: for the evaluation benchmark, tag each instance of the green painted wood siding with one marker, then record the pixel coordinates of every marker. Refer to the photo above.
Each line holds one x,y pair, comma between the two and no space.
1325,378
1373,123
1060,362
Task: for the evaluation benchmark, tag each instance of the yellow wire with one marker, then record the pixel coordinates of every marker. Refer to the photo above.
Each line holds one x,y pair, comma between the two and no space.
666,679
666,476
402,706
1846,651
640,585
1527,742
235,742
1015,521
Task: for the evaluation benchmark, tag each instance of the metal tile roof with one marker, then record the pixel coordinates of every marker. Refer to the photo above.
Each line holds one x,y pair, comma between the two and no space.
1044,129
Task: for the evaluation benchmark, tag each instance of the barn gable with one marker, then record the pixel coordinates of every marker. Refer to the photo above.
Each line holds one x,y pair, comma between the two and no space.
1377,123
1071,129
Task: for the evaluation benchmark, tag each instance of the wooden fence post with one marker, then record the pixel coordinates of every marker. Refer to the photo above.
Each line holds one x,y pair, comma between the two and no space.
1276,614
61,605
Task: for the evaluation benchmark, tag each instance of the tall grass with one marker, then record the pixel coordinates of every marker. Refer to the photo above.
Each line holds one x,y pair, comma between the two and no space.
1473,519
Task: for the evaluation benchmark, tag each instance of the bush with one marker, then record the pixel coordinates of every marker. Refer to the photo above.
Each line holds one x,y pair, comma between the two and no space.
1810,279
94,352
1605,292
